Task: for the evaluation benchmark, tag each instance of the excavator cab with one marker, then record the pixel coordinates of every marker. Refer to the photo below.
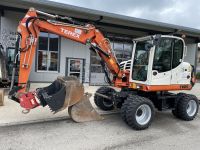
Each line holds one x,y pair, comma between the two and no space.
159,61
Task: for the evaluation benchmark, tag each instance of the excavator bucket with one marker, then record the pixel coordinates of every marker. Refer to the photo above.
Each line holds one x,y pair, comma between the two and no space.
68,92
83,110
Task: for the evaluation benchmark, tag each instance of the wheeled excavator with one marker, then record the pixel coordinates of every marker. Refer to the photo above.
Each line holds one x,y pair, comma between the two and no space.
157,67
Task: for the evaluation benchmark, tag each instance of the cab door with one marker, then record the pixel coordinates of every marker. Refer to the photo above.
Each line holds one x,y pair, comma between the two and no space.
181,71
162,62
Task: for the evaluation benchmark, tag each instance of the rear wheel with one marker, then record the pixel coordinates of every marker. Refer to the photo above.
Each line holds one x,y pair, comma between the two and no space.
138,112
104,103
187,107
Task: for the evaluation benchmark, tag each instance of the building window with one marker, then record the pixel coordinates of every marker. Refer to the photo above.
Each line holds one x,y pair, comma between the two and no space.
122,49
10,51
48,52
95,63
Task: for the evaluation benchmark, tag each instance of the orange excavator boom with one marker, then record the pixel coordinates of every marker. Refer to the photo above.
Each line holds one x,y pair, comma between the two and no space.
31,25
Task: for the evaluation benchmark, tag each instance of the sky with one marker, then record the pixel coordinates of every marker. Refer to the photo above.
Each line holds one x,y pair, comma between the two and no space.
179,12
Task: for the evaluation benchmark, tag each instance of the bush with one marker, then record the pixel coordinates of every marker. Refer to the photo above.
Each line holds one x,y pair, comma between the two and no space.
198,75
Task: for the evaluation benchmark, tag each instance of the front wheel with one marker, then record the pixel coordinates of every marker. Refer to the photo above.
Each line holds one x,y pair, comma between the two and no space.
139,112
103,103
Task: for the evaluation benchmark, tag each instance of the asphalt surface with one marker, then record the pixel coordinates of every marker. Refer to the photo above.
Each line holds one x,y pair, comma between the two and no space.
166,132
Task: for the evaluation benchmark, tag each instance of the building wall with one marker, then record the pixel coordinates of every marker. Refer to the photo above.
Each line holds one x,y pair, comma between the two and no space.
191,54
198,60
68,49
9,23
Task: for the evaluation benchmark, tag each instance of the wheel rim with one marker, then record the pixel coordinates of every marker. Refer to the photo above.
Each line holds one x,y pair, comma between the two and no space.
107,103
143,114
191,108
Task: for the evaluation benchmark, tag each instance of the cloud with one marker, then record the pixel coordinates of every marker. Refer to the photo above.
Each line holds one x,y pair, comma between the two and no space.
180,12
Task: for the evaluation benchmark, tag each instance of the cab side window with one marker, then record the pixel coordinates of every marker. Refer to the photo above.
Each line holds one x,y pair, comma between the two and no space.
163,55
177,53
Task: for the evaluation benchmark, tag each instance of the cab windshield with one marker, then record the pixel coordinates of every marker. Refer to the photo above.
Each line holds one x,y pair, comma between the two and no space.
141,60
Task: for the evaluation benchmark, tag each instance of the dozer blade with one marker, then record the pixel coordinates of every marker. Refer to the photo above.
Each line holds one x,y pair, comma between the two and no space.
83,110
68,92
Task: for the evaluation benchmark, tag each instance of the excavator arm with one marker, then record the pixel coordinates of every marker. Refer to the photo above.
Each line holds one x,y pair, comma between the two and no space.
28,34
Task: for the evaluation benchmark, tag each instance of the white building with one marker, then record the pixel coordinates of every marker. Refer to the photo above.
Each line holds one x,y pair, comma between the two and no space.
58,56
198,60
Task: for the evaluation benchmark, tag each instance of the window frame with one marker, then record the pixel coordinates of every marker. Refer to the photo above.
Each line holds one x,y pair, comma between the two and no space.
49,56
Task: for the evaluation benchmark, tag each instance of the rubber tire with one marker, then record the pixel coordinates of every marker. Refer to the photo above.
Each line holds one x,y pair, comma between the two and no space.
179,96
181,107
123,110
130,107
174,112
98,100
124,107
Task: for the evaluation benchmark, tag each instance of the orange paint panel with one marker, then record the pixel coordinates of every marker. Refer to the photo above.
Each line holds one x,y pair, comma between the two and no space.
26,58
174,87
